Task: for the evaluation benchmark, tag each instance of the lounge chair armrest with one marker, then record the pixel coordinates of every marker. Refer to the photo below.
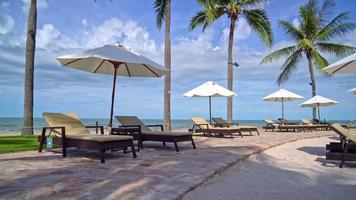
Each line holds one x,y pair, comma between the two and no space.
96,127
200,126
52,128
222,125
126,130
130,126
156,125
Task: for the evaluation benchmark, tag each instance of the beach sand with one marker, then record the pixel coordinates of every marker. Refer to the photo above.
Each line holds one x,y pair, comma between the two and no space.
296,170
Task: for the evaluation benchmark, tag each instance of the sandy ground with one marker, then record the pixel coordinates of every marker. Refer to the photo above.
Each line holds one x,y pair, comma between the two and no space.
295,170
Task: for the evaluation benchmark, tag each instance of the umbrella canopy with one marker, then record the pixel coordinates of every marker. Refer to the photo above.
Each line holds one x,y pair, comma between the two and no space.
318,101
115,60
344,66
104,60
353,91
282,95
209,89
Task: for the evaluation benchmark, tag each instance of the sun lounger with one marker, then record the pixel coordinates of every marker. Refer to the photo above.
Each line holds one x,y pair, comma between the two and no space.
145,133
202,126
271,125
220,122
286,122
68,131
346,149
314,126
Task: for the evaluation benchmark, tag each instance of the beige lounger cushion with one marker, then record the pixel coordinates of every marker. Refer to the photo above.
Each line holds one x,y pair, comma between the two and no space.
344,132
100,138
131,121
199,121
307,122
70,121
76,130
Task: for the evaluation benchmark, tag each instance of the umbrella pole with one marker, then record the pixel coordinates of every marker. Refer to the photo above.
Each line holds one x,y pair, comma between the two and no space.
319,112
210,109
282,109
113,96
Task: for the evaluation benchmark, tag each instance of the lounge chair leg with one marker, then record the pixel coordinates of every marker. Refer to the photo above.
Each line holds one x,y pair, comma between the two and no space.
193,144
133,150
257,132
164,144
250,133
176,146
42,140
102,156
64,148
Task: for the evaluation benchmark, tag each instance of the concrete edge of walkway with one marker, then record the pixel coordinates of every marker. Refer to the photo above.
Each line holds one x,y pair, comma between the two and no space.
223,169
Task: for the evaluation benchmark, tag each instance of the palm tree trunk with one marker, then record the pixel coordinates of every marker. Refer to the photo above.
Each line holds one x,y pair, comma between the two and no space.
167,64
27,127
312,78
230,70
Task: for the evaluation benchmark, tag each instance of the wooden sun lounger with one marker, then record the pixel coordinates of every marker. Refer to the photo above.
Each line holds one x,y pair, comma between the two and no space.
141,132
202,126
314,126
220,122
68,131
270,125
346,149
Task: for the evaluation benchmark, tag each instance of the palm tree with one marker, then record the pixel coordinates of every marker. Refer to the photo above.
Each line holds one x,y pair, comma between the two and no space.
163,11
233,9
27,127
311,37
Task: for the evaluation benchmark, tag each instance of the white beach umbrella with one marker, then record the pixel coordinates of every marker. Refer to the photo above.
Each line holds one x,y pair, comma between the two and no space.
344,66
210,89
282,95
353,91
318,101
116,60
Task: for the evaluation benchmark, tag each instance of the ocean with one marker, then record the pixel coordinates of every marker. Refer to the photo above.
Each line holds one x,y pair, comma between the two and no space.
9,125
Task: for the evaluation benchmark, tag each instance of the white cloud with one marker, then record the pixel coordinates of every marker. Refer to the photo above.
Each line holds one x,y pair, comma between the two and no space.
7,22
41,4
51,39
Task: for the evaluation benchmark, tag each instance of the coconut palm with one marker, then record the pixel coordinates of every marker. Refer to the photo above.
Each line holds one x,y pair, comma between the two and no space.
27,127
312,36
163,12
233,9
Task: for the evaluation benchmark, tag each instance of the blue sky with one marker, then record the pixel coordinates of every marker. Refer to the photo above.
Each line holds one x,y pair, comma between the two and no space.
69,26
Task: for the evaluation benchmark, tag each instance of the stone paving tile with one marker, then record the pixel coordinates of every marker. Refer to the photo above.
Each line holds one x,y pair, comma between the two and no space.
158,172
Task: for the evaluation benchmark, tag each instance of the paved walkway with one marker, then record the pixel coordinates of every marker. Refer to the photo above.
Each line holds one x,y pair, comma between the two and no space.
158,172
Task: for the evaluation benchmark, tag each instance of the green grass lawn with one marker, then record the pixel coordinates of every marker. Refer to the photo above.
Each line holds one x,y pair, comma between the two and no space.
18,143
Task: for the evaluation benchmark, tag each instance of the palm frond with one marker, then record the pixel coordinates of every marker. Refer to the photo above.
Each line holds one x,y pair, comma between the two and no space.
305,44
292,31
326,10
199,19
309,23
289,66
278,54
319,60
259,21
336,49
254,2
160,10
336,27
